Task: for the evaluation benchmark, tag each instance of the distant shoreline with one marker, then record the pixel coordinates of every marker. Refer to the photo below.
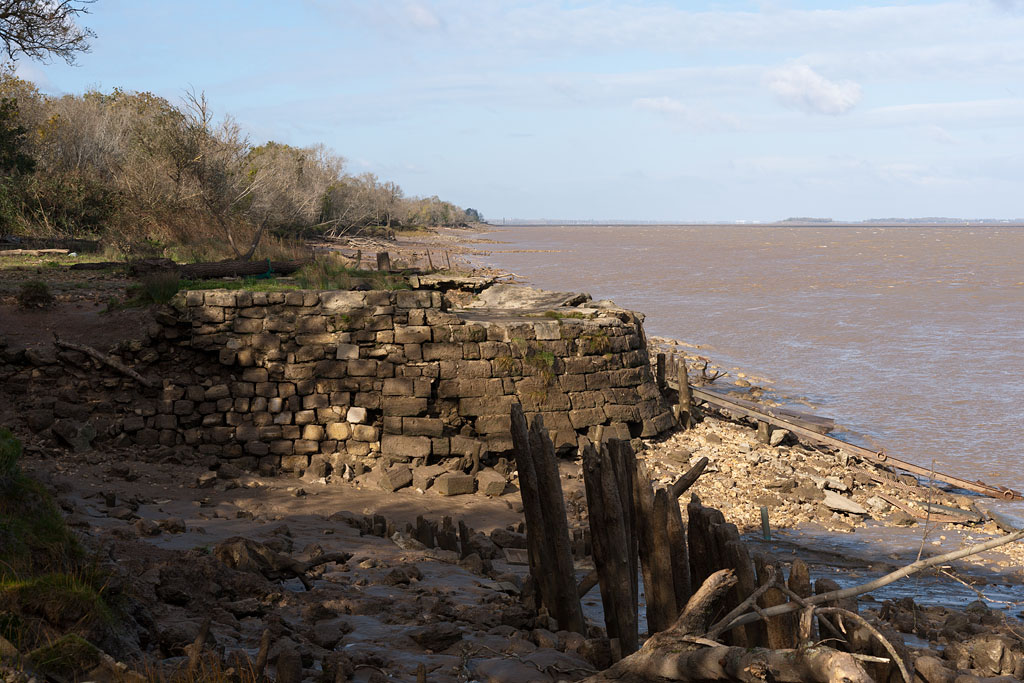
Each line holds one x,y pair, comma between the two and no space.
890,224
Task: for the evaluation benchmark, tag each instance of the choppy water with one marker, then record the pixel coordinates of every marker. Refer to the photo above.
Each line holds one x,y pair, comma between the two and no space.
911,336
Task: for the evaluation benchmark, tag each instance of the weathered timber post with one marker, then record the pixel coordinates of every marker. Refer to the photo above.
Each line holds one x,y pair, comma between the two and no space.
547,531
615,565
782,630
660,374
764,432
430,261
655,552
384,261
685,397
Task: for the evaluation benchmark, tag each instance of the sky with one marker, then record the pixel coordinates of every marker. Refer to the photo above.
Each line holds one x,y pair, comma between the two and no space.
684,111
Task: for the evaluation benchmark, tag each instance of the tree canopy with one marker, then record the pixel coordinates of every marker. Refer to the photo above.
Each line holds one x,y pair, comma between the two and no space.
41,29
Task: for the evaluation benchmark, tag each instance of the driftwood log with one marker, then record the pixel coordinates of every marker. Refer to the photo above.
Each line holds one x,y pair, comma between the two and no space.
680,654
247,555
106,360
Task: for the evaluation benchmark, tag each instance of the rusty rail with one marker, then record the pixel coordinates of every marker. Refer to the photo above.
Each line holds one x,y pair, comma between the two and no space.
879,458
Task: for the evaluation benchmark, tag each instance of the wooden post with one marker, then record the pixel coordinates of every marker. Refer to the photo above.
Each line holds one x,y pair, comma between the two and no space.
608,535
766,527
448,260
680,556
685,399
655,553
359,258
661,372
547,531
764,432
383,261
624,464
430,261
782,630
567,610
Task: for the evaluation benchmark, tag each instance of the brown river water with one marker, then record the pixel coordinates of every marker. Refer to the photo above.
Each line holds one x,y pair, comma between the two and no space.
912,337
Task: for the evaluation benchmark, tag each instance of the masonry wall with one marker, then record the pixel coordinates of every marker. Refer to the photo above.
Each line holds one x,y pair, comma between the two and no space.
350,377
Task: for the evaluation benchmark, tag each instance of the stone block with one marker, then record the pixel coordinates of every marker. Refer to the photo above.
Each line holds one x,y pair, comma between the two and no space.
464,445
305,417
247,325
413,299
339,431
306,446
401,446
356,415
586,417
365,433
422,426
220,297
423,477
398,386
313,432
397,406
490,483
494,424
216,392
394,478
362,368
341,302
454,484
412,334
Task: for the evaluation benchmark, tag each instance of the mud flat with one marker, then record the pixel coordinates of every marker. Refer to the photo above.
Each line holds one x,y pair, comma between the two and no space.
188,536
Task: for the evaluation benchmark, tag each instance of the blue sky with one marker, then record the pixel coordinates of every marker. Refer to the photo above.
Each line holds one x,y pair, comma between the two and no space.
608,110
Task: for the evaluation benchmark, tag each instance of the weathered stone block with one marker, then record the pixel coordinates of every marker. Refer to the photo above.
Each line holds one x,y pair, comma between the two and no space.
398,386
306,446
400,446
217,391
365,433
586,417
340,302
494,424
356,415
394,478
411,334
454,484
490,482
464,445
247,325
362,367
312,432
305,417
398,406
338,431
218,297
422,426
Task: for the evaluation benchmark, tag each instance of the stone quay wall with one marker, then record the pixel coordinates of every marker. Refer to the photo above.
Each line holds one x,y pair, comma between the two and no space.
348,377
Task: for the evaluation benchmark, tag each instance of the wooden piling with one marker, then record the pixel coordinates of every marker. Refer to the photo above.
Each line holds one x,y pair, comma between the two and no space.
655,555
547,532
606,514
685,397
660,374
384,261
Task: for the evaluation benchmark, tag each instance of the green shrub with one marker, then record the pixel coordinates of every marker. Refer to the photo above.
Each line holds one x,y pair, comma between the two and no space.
159,288
35,294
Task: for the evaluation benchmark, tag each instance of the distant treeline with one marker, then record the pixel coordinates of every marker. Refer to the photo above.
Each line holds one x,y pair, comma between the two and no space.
141,173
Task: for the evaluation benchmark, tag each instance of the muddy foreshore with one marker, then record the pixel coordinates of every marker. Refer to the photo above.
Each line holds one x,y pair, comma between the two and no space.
166,520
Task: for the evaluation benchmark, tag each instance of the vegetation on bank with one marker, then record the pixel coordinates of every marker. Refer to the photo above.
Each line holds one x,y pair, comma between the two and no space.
149,177
51,597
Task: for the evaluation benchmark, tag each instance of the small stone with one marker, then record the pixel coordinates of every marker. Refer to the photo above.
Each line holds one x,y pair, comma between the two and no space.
147,527
206,480
436,637
394,478
834,501
777,437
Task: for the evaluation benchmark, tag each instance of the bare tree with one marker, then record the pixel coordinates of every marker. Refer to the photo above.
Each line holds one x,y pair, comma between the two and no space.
40,29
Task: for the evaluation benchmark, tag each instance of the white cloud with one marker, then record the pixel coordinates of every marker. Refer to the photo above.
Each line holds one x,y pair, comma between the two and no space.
698,116
801,87
421,16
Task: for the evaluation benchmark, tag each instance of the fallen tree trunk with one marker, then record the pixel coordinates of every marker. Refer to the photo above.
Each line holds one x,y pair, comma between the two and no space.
107,360
198,271
679,655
